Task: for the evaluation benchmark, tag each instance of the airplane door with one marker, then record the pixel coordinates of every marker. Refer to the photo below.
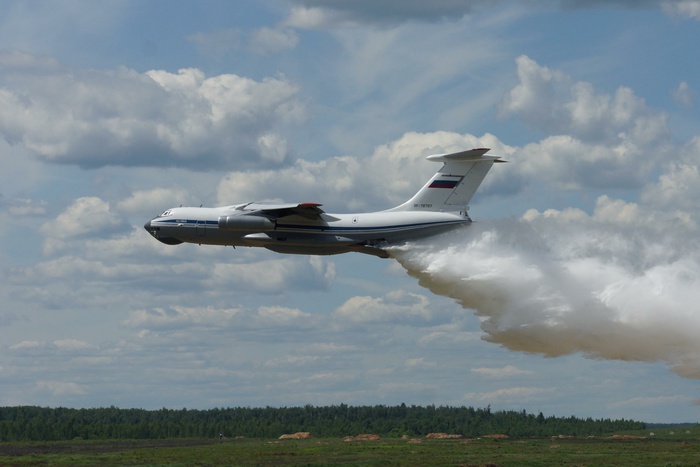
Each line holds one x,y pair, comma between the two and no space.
201,229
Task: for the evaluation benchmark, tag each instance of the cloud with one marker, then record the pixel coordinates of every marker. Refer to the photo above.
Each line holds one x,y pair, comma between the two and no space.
95,118
684,95
133,267
566,163
647,401
632,4
397,306
448,337
21,62
62,347
266,41
418,363
24,207
304,180
279,315
69,268
178,317
268,319
24,346
684,8
71,345
312,14
85,217
677,188
596,140
504,372
326,348
292,361
318,13
321,13
275,276
61,388
551,101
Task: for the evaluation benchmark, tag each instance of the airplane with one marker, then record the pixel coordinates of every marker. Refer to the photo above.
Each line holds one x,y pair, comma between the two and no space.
305,228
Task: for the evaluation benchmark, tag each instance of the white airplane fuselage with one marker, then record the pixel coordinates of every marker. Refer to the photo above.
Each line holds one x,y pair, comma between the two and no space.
329,234
304,228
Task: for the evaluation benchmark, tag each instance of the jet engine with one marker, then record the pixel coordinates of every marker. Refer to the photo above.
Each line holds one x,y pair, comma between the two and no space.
244,222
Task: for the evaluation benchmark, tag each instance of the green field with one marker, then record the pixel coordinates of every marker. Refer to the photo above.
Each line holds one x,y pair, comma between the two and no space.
668,450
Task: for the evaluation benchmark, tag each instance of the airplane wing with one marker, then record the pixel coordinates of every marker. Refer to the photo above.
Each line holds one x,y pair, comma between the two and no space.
308,210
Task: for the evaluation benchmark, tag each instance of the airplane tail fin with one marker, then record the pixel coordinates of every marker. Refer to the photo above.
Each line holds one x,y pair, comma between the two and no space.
451,188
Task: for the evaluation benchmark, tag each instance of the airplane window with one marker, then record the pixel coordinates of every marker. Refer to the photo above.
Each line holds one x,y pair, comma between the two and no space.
166,213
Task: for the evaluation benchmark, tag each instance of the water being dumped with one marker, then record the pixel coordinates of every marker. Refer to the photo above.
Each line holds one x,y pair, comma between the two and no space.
570,283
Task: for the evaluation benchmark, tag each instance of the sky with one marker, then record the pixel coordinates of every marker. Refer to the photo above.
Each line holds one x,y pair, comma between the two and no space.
574,292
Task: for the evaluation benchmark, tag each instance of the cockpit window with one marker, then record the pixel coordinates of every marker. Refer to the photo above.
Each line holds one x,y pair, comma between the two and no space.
166,213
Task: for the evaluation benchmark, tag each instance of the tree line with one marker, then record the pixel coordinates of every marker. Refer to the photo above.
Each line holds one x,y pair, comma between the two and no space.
29,423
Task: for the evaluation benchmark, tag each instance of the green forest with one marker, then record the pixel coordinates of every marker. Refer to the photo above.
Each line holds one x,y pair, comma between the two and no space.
29,423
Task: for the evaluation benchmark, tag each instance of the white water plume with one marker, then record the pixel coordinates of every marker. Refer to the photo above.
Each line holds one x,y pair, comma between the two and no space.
563,282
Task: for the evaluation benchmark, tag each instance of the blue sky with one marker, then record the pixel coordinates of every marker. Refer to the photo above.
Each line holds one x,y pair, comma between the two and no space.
575,292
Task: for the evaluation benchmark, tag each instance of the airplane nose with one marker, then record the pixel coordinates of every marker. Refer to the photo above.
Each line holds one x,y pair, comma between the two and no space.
155,231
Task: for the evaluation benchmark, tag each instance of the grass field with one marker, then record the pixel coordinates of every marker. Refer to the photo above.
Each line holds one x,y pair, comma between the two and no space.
657,451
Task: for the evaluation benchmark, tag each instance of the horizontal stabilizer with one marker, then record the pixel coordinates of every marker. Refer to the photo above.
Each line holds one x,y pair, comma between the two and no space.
471,155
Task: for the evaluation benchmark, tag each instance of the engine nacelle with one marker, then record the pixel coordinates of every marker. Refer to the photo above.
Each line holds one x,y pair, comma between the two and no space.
245,223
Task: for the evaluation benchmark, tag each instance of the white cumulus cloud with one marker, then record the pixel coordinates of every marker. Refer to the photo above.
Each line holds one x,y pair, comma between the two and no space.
553,102
122,117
